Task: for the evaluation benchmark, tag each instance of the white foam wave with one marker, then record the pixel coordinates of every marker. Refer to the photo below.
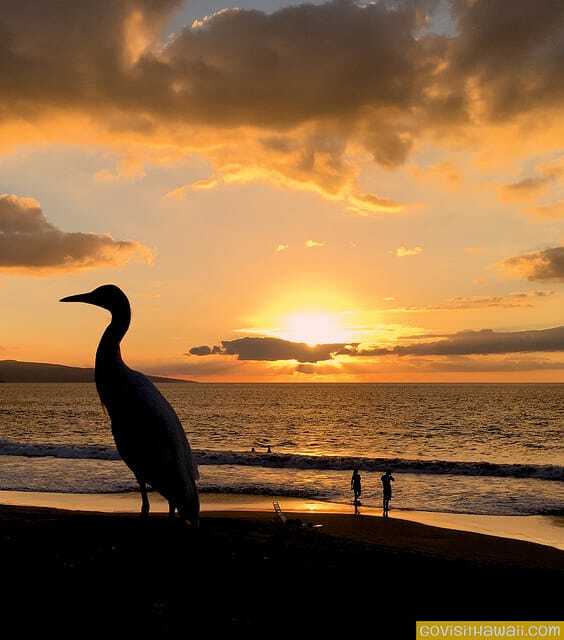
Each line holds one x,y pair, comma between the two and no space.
301,461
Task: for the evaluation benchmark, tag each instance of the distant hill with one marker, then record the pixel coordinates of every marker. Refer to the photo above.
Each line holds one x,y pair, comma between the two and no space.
15,371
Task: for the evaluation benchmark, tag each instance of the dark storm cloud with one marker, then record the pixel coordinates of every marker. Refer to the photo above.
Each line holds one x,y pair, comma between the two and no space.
482,342
299,63
547,264
272,349
370,68
311,84
510,52
72,52
308,80
28,241
234,67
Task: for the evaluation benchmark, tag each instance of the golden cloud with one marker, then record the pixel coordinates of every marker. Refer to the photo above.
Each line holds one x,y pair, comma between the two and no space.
312,244
403,252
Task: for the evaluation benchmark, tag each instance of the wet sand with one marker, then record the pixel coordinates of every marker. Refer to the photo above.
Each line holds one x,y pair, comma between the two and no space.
548,530
79,573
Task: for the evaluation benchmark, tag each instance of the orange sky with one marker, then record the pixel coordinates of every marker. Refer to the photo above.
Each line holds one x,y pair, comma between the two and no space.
334,192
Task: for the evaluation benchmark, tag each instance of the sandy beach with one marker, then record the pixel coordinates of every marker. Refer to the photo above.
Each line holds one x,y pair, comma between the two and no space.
82,572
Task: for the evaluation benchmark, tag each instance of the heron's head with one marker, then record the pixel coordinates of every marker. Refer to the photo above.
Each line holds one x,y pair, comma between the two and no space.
108,296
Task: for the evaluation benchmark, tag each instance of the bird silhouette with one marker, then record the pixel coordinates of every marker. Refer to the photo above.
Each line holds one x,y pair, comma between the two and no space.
147,432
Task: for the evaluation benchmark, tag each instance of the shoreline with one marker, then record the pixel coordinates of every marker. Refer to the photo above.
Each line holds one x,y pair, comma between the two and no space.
538,529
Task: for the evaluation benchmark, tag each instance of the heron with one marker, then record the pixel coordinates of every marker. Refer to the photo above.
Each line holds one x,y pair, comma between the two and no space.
147,432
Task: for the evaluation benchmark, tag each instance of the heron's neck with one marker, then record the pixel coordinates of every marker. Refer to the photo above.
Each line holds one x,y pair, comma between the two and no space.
108,350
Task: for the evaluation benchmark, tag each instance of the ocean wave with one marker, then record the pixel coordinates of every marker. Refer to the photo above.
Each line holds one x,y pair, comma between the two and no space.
346,463
46,450
302,461
52,487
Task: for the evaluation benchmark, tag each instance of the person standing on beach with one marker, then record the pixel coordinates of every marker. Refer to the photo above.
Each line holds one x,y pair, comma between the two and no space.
387,480
356,487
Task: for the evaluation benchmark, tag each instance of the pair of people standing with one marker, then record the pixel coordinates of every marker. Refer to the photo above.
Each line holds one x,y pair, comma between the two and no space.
356,486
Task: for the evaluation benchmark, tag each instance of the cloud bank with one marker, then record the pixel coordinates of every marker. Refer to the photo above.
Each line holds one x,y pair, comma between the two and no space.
484,342
28,241
516,300
272,349
464,343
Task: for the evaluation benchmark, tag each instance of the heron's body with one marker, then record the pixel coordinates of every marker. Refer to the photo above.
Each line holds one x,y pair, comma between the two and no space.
147,432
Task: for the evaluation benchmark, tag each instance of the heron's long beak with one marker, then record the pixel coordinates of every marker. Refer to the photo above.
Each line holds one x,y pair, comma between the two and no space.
79,297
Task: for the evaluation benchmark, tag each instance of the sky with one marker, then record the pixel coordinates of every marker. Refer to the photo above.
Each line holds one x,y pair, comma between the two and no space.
287,192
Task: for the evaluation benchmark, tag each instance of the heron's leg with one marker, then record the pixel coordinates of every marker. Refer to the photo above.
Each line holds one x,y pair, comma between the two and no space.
145,506
171,510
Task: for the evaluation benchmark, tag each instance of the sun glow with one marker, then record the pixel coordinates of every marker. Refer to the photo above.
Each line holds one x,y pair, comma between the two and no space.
314,327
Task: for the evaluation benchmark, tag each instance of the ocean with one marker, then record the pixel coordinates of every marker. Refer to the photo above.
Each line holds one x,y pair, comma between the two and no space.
463,448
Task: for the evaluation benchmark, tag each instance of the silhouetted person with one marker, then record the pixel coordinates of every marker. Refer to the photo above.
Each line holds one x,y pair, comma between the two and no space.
268,449
252,450
387,480
356,487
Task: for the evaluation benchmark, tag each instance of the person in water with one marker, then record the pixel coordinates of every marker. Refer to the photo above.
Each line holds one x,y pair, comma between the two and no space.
356,487
387,480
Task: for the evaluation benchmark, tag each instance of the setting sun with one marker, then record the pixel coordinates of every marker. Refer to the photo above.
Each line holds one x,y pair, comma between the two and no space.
314,327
